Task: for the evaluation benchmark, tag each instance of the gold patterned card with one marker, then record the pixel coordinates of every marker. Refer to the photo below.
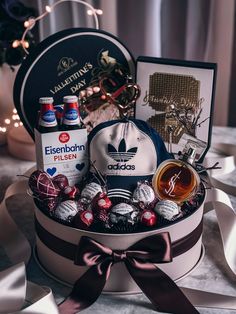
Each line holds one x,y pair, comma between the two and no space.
176,99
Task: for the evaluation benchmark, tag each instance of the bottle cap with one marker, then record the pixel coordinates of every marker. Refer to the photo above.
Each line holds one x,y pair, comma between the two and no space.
192,154
45,100
69,99
190,151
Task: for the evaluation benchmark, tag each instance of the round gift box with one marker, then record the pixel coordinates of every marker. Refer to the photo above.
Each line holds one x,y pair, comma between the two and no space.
119,281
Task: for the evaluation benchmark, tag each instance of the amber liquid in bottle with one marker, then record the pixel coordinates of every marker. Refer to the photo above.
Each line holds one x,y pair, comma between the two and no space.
176,181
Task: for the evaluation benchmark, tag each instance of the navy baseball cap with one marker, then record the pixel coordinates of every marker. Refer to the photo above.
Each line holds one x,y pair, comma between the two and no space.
125,151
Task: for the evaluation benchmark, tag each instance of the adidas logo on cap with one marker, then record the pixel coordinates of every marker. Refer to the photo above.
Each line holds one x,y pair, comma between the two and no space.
121,155
125,152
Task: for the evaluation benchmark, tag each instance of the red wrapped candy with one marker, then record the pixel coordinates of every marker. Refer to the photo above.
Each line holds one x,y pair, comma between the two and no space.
71,192
84,219
42,186
102,202
61,181
148,218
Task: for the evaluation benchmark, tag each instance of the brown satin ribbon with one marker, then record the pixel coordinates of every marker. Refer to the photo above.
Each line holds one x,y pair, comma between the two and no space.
140,260
68,250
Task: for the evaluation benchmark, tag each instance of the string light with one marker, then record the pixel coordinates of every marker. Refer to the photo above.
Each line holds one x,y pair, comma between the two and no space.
15,117
48,9
26,24
16,43
8,122
98,12
25,44
30,23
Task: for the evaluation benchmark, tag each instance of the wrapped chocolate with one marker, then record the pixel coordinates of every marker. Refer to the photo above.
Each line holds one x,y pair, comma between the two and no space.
91,190
167,209
66,211
102,217
102,202
148,218
42,186
143,194
71,193
193,203
82,204
124,213
50,204
61,181
83,219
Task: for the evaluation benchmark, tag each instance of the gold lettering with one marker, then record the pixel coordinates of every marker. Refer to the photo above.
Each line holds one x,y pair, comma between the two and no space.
77,87
72,78
161,100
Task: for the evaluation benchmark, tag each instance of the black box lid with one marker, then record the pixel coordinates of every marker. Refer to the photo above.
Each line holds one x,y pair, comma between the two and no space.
63,64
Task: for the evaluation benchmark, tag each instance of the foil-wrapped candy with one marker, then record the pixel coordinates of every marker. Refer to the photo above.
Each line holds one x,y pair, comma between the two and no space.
71,193
167,209
61,181
83,219
148,218
42,185
91,190
144,196
125,213
66,211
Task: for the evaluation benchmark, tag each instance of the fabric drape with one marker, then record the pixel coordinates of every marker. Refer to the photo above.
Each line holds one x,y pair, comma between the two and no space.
135,23
202,31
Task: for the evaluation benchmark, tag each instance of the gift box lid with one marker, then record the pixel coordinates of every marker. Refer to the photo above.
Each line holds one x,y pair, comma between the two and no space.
177,100
63,64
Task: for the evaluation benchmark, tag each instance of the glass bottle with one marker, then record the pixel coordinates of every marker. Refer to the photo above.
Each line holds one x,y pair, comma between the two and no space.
47,120
176,179
71,115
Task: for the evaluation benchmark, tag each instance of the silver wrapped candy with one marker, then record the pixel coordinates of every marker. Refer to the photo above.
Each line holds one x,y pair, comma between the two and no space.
66,211
123,213
167,209
144,193
91,190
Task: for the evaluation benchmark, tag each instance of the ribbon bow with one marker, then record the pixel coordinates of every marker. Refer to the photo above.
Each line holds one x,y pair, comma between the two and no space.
140,260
